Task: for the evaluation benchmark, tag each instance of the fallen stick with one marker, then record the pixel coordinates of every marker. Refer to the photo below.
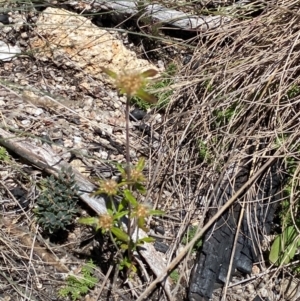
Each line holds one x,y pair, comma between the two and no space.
160,14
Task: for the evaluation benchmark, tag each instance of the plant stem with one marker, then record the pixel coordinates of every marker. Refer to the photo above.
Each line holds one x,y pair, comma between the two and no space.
115,244
127,139
128,173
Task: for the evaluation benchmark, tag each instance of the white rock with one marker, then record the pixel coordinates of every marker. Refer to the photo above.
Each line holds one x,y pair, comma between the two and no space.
108,129
161,65
264,292
88,102
116,104
25,122
158,118
30,110
24,35
6,29
38,112
132,153
103,155
68,143
57,134
92,47
7,52
77,140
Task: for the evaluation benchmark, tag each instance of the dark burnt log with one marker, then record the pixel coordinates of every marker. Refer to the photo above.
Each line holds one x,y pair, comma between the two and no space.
214,257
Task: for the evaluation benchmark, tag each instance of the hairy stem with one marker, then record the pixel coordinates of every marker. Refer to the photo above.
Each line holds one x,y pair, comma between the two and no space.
128,173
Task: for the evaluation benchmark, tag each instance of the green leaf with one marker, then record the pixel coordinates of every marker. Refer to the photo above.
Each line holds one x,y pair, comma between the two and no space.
109,72
156,212
125,263
4,156
79,285
140,187
146,239
141,164
120,234
141,224
133,268
110,211
124,247
130,198
120,168
284,246
122,205
118,215
146,96
91,221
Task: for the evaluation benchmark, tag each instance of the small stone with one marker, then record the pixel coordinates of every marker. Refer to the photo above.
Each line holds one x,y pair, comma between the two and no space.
132,153
7,52
68,143
4,19
77,139
158,118
39,285
108,129
75,120
23,82
61,121
88,102
66,132
116,104
25,122
160,230
24,35
250,288
6,29
263,292
255,270
38,112
103,155
161,247
161,65
56,134
123,99
111,94
137,114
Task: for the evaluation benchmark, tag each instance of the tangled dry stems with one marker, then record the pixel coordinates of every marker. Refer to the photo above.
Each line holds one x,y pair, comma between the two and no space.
236,92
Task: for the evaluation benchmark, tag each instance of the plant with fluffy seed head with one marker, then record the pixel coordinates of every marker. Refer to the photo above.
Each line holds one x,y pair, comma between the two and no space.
133,181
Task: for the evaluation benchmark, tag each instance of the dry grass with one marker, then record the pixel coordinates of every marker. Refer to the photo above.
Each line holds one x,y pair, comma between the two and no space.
237,99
